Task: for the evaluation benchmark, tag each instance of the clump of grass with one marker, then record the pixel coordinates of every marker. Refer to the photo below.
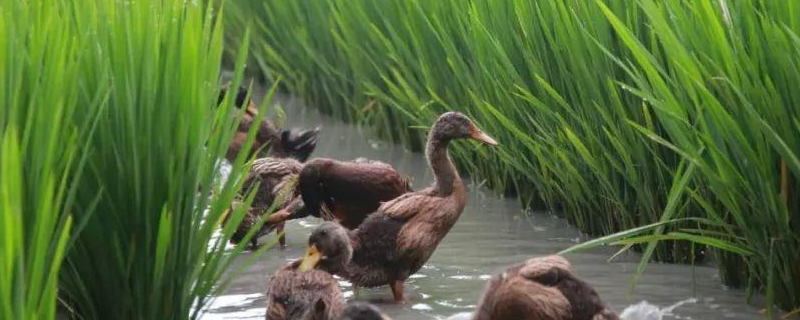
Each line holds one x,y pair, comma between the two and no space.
41,154
619,114
110,136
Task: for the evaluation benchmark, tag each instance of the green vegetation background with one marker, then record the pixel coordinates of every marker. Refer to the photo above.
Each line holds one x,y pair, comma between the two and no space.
676,123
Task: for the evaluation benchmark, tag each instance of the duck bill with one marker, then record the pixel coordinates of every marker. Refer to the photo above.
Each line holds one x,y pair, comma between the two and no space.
478,135
311,259
251,108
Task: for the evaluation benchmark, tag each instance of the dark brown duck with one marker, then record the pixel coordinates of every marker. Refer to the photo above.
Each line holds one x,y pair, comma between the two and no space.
269,140
396,240
345,191
541,288
374,180
306,290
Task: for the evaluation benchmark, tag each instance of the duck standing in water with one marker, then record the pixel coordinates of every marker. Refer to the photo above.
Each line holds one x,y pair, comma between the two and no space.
276,179
276,173
396,240
541,288
354,189
306,290
345,191
294,143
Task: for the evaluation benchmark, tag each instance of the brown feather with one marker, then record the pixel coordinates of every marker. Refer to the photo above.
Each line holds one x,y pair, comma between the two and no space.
310,295
541,288
275,178
349,190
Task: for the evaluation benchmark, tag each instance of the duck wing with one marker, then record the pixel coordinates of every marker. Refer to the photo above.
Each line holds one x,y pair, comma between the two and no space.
350,190
406,206
377,258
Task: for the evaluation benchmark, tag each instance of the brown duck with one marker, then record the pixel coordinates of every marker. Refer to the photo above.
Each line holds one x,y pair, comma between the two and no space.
306,290
344,191
396,240
541,288
276,179
293,143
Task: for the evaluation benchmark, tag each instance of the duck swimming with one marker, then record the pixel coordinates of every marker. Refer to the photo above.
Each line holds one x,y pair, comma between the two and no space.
305,289
294,143
396,240
541,288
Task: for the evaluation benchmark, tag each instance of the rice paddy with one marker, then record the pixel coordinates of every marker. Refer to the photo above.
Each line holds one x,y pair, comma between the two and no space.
670,128
679,116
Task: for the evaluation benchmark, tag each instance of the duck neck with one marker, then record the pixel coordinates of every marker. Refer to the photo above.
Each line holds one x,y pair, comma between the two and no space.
444,171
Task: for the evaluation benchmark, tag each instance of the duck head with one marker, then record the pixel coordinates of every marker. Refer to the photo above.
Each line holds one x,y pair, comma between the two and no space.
362,311
455,125
328,249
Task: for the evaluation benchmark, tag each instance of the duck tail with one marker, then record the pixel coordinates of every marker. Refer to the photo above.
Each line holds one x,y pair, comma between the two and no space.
241,95
299,144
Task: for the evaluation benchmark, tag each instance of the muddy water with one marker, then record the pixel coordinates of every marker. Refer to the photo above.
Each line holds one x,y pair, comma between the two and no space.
493,232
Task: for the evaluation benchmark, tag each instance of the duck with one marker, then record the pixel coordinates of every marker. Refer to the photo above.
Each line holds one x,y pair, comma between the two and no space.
294,143
276,180
345,191
399,237
541,288
362,311
373,180
306,289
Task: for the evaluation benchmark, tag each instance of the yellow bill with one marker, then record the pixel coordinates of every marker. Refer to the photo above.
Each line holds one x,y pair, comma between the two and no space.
251,108
311,258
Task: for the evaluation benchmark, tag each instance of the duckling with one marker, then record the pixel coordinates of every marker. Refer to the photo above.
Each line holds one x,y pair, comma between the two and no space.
541,288
294,143
306,289
396,240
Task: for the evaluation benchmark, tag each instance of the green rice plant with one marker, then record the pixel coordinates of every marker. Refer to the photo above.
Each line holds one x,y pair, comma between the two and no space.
619,114
110,136
398,64
41,154
149,250
729,109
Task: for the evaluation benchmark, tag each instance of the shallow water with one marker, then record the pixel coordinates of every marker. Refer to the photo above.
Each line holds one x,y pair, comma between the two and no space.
492,233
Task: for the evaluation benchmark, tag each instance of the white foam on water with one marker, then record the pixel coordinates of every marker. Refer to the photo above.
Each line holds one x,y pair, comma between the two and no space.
248,314
218,307
421,306
647,311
